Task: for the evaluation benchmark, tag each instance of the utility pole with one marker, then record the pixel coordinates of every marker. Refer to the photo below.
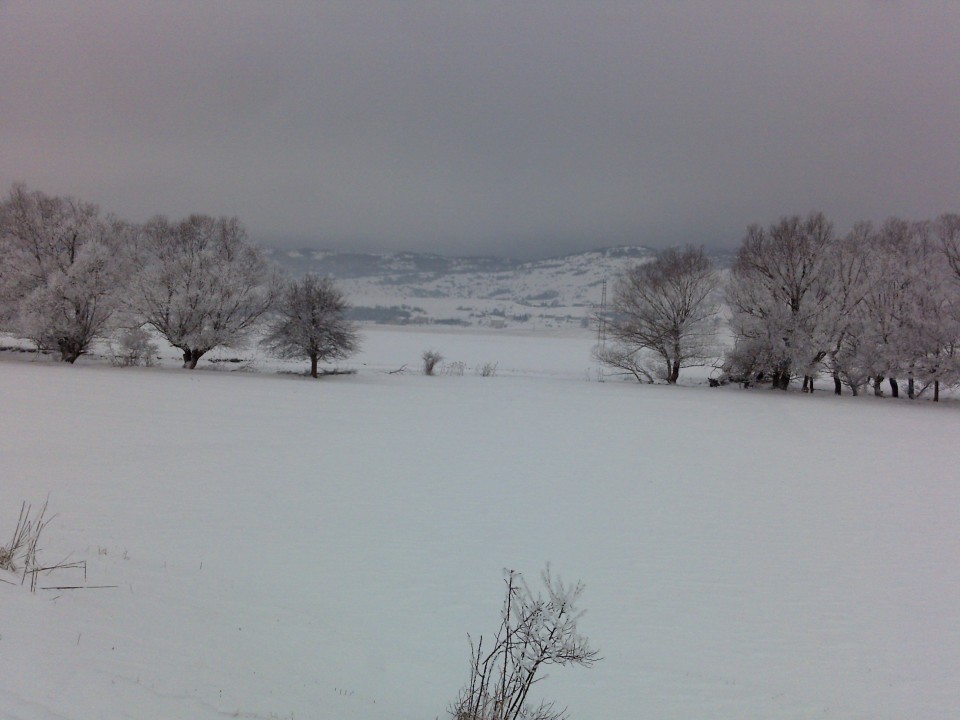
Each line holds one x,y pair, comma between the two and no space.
602,317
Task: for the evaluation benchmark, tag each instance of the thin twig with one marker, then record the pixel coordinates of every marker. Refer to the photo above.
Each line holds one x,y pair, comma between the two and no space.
79,587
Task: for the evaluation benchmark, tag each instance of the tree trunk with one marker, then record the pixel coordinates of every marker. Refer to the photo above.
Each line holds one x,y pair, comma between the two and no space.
894,388
936,391
785,378
878,386
674,372
314,360
910,390
69,356
69,351
781,379
191,356
837,386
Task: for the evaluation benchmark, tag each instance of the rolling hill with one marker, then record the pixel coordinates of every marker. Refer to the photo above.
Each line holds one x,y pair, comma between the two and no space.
417,288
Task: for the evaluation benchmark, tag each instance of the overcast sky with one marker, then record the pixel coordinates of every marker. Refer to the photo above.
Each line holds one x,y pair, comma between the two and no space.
521,128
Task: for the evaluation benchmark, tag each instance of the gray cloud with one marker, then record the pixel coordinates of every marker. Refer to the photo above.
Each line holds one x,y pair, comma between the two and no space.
495,127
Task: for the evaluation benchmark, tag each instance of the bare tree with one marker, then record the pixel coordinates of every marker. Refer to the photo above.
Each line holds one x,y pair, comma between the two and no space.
662,316
61,273
202,285
779,295
309,322
535,631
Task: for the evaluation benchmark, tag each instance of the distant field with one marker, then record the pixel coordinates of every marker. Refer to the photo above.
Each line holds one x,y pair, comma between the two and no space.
288,548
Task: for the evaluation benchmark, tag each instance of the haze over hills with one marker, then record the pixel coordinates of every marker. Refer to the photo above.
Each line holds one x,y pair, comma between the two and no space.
421,288
496,292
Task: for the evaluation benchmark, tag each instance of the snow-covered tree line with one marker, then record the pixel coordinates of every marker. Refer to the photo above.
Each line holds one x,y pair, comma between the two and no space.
877,305
70,275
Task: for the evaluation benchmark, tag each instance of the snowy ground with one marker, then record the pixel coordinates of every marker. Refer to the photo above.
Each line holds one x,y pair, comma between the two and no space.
288,548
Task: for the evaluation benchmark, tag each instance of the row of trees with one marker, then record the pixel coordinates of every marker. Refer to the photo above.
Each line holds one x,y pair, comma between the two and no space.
874,305
877,304
70,275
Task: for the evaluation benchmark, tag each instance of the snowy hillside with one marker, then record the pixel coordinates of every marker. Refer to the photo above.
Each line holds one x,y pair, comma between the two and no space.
260,545
492,292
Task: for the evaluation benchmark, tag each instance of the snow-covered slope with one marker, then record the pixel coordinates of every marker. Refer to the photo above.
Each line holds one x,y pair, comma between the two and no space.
495,292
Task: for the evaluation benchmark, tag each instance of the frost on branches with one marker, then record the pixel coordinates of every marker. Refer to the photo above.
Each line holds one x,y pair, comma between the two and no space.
62,273
201,284
874,305
535,631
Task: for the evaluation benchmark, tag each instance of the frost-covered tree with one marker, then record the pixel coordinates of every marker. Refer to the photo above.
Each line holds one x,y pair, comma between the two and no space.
663,316
73,307
931,326
310,322
779,296
201,284
883,349
852,279
62,271
947,230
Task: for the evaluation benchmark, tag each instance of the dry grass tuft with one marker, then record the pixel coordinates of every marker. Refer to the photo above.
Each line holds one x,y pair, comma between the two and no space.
19,555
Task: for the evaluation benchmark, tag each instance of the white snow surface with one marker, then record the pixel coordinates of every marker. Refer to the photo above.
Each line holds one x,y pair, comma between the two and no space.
290,548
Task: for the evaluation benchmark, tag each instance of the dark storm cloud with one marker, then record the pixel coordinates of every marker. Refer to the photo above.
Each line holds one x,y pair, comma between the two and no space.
480,127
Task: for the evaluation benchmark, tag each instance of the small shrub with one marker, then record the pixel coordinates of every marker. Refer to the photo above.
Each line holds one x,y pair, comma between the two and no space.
535,631
338,371
488,369
455,368
235,364
431,358
133,347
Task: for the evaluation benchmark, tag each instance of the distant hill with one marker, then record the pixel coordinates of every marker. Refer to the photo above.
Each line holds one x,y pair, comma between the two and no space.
423,288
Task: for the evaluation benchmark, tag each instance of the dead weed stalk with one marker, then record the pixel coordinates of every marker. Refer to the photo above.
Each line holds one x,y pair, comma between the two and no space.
19,555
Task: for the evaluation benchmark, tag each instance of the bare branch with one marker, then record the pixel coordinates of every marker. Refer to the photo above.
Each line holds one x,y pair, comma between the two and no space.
535,631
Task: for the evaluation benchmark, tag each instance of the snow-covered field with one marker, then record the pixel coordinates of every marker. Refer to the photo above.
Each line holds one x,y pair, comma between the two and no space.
289,548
